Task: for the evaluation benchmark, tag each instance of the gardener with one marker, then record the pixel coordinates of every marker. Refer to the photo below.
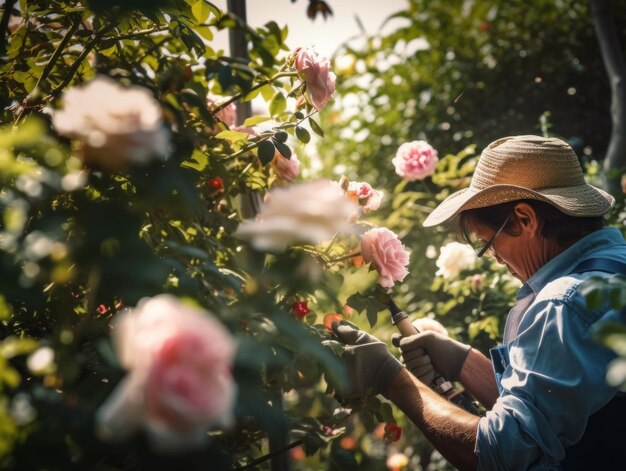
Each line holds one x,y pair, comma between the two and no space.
548,404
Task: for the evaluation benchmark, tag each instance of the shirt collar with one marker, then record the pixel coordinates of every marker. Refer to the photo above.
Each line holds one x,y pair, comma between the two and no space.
565,262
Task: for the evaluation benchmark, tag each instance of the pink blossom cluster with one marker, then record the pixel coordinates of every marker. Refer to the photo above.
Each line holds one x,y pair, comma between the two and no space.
365,196
415,160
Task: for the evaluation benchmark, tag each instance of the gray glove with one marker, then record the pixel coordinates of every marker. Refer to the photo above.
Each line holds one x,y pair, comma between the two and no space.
369,361
427,350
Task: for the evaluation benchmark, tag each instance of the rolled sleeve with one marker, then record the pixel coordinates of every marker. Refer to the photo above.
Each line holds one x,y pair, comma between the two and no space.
509,438
554,382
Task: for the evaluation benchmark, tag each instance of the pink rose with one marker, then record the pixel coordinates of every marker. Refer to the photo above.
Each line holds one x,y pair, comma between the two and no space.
316,74
286,169
367,197
383,249
179,382
227,115
415,160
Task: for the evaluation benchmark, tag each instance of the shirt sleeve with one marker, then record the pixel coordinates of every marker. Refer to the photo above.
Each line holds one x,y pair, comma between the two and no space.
554,382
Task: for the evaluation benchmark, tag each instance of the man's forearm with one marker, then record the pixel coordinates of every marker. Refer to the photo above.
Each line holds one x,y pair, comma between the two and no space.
478,379
449,428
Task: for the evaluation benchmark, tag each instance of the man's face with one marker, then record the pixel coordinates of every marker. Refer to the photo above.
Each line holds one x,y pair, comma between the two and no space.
514,247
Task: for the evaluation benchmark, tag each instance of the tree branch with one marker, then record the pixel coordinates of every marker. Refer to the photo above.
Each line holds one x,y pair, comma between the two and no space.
615,159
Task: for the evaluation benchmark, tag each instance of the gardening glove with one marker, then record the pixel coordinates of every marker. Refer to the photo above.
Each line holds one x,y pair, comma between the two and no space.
421,365
427,350
369,361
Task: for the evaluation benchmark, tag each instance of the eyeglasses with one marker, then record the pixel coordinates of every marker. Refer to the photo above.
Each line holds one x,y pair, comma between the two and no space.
480,251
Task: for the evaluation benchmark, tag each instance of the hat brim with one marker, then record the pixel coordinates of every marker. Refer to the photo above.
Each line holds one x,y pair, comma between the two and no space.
581,201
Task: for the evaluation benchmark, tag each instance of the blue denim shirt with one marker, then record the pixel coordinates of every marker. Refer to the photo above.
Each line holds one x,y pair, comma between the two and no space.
555,378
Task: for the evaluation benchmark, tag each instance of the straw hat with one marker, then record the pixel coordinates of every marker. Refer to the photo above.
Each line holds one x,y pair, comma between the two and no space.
526,167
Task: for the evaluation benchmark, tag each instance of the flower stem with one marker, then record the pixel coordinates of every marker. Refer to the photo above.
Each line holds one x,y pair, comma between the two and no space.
344,257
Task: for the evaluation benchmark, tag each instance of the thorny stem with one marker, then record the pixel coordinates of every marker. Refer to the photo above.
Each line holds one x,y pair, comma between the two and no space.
136,34
331,243
59,49
343,257
68,78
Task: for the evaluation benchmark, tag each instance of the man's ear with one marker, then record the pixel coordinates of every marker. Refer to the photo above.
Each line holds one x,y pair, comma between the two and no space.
527,219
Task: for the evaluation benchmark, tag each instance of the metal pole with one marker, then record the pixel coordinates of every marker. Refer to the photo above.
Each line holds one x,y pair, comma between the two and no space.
250,201
250,204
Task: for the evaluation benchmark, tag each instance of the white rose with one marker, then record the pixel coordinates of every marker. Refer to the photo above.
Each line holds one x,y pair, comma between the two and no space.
116,125
41,361
309,212
455,257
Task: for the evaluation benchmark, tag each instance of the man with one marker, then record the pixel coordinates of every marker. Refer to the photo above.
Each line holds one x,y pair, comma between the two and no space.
548,404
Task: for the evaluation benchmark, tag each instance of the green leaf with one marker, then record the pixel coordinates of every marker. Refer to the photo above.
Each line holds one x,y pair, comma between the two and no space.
387,413
267,91
303,135
266,152
369,304
234,136
617,297
254,120
215,10
5,309
316,127
201,11
595,299
198,161
281,136
205,32
278,104
283,149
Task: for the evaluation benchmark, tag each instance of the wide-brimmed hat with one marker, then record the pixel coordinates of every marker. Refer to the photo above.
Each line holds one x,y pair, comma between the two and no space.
526,167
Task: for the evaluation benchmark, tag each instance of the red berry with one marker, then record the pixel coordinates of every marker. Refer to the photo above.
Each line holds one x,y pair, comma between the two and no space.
103,309
216,183
393,432
300,309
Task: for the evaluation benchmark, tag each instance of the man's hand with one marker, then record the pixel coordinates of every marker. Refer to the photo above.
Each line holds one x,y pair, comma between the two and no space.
369,361
427,350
